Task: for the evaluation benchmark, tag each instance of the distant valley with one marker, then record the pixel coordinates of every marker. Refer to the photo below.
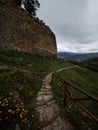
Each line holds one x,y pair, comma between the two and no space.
77,57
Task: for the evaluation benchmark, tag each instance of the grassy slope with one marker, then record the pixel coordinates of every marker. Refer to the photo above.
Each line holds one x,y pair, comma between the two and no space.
24,77
91,64
88,81
84,78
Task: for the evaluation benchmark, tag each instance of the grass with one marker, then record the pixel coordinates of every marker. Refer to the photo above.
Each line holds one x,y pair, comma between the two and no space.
91,64
88,81
23,77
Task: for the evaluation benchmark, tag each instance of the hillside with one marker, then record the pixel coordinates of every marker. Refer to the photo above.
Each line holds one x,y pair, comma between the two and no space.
91,64
21,76
77,57
86,80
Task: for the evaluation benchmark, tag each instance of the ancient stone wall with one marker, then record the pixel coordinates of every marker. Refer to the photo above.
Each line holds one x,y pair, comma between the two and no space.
18,31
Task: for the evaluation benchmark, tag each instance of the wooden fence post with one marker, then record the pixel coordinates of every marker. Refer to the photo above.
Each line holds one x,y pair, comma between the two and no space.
65,93
53,77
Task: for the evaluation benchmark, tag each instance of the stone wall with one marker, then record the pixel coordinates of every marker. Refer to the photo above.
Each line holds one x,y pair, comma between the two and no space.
18,31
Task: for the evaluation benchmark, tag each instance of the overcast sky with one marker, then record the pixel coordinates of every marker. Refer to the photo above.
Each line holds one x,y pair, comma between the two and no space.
74,22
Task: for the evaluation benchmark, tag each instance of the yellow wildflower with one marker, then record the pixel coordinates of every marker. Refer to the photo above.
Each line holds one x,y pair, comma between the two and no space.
20,115
32,115
9,110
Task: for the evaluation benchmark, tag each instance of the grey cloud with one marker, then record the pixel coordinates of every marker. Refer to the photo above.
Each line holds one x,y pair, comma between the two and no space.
71,20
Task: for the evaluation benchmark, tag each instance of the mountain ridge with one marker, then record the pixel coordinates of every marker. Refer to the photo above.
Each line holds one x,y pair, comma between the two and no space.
77,57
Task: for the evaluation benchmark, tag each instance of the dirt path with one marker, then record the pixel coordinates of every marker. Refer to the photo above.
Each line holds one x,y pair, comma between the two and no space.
48,110
69,67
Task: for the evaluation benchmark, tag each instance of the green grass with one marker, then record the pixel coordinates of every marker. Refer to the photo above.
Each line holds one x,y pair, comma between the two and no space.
91,64
88,81
83,78
24,76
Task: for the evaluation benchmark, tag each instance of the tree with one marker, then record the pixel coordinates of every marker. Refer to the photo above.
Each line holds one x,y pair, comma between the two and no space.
29,5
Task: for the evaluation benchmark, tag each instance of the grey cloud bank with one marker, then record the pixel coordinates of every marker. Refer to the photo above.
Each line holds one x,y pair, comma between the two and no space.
75,23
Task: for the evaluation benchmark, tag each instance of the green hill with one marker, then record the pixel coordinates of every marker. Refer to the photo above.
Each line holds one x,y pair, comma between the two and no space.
21,76
91,64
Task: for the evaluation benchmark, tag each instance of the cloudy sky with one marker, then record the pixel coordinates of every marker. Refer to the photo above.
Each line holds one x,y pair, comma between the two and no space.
74,22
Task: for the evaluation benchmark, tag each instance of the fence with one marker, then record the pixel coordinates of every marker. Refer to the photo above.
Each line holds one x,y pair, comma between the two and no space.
68,95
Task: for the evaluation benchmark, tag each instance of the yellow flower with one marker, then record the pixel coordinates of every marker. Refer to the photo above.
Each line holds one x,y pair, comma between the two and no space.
9,110
23,109
32,115
5,99
24,120
6,104
20,115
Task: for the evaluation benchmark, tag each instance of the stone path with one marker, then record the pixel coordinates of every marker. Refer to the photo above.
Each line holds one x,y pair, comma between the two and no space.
69,67
48,110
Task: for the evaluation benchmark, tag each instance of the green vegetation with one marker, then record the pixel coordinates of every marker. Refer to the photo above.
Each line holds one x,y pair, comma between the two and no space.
11,112
88,81
30,5
91,64
21,74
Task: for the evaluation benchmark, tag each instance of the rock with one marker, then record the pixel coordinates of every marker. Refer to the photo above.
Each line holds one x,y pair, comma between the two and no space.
59,124
48,87
39,98
48,113
46,98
